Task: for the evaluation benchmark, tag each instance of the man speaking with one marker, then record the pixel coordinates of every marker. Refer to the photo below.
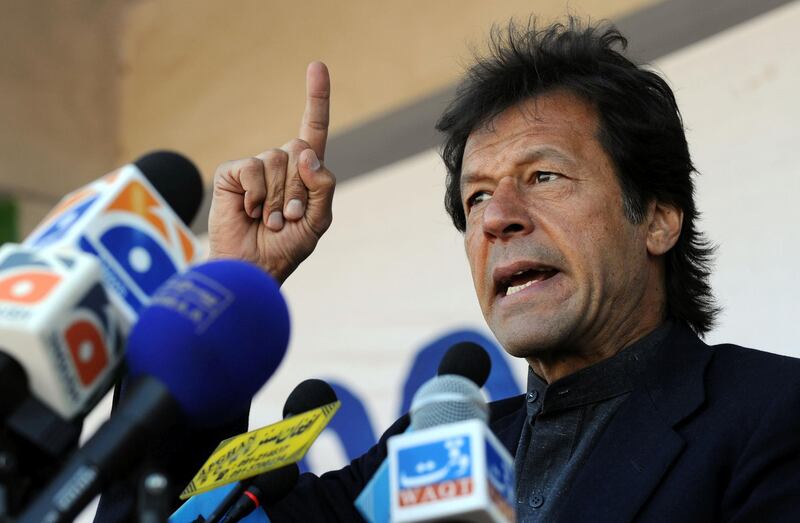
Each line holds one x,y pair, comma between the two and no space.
570,176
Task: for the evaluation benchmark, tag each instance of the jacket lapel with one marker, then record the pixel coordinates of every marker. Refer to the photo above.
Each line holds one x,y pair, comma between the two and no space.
507,417
640,444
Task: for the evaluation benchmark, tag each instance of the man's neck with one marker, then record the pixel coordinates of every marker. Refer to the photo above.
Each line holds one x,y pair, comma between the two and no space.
559,363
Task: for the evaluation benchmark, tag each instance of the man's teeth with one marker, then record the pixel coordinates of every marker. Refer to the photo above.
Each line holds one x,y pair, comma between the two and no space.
516,288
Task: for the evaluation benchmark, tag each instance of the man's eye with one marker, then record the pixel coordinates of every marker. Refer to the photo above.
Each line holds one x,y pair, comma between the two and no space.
545,176
477,198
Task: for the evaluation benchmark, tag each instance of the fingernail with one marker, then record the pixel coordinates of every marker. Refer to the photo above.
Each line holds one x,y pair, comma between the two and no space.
256,212
294,209
275,220
313,161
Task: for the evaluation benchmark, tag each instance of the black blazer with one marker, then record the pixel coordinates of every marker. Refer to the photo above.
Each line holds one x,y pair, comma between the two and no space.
712,435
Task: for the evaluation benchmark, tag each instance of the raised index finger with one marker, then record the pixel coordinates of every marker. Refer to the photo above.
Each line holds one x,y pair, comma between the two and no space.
314,127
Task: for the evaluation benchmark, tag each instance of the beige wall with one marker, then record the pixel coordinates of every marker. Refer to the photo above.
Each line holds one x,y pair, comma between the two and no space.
58,98
220,80
89,84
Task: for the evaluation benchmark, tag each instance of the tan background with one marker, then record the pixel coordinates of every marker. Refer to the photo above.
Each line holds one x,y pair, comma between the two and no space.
58,99
90,84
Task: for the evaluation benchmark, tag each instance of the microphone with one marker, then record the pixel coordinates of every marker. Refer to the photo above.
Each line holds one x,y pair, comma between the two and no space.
447,399
58,325
264,489
272,486
176,179
308,395
450,465
465,359
58,356
209,340
128,220
236,324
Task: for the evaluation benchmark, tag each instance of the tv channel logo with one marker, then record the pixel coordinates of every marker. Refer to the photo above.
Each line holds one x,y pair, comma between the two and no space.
500,474
435,471
25,281
196,297
63,217
140,242
87,333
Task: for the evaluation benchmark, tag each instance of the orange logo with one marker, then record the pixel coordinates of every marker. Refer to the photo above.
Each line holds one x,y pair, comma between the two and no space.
28,287
88,351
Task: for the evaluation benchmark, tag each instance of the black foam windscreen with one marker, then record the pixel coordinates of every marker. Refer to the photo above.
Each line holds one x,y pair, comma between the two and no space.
309,394
176,179
469,360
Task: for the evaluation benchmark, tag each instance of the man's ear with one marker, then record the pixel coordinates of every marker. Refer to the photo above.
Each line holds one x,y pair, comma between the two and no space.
664,227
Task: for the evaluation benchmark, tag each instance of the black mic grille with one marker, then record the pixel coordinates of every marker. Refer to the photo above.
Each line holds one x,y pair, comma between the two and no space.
176,179
309,394
469,360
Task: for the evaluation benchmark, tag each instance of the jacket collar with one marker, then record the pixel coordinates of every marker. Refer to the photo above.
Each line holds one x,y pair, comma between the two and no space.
640,444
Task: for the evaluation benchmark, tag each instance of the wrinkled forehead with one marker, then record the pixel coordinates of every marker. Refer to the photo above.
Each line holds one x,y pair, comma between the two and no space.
558,125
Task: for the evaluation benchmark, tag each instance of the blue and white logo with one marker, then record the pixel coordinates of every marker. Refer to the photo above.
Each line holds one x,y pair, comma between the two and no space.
434,463
61,223
501,474
196,297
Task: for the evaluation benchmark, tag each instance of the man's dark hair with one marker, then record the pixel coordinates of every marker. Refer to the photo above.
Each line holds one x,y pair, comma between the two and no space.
640,128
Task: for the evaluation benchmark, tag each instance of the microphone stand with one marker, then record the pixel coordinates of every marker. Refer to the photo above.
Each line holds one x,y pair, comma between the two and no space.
154,497
34,441
228,501
7,473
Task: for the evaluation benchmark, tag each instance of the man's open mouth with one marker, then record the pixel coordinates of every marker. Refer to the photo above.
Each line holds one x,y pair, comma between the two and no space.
523,279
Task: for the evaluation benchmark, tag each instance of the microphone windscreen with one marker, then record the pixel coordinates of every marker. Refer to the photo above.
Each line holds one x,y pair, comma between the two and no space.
212,336
467,359
176,179
275,484
447,399
309,394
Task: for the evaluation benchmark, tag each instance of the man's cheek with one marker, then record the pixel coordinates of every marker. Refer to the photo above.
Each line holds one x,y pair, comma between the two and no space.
477,263
471,248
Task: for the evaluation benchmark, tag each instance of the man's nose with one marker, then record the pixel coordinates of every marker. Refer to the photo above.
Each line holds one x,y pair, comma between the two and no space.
506,213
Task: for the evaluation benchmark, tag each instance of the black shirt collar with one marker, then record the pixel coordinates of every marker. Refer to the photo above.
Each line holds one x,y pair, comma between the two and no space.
605,379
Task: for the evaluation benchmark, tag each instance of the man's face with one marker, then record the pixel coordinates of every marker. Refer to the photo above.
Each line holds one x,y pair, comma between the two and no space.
556,264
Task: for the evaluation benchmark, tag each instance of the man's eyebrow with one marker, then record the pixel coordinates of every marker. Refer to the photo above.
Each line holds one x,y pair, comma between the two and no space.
544,152
529,155
473,178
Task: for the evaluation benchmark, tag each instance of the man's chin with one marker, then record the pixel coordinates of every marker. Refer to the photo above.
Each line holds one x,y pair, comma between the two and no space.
528,345
536,328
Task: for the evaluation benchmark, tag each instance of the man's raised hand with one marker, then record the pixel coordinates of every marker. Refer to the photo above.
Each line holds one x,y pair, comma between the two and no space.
273,208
